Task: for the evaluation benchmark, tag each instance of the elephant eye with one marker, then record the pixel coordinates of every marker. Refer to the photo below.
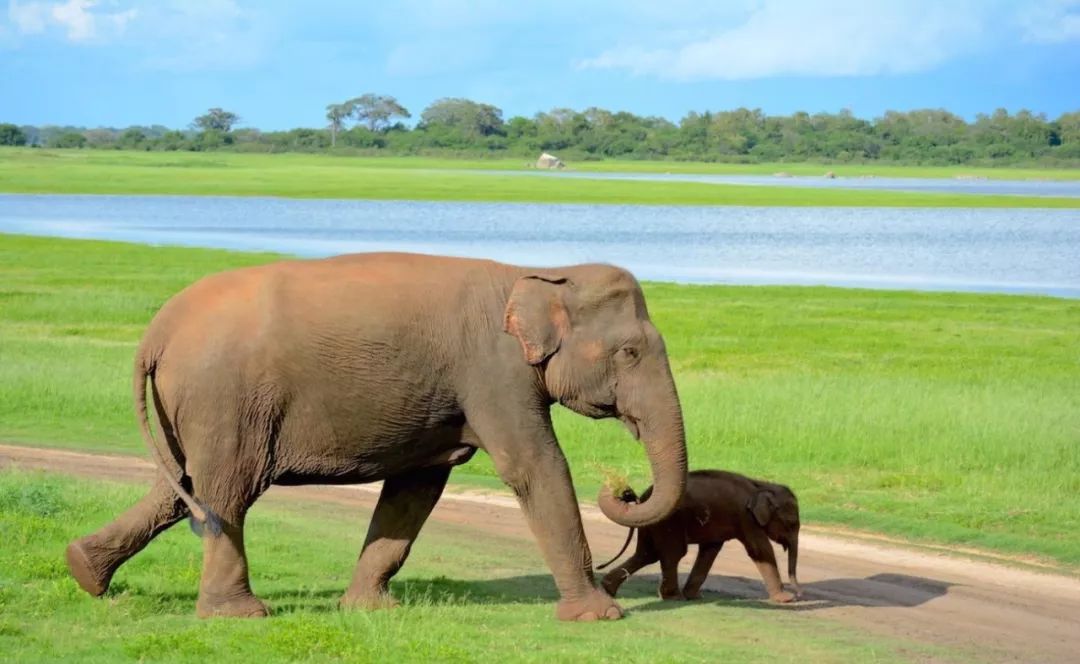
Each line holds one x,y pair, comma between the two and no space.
628,353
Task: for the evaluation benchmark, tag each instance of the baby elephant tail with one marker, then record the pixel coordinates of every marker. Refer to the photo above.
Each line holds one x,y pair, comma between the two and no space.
628,496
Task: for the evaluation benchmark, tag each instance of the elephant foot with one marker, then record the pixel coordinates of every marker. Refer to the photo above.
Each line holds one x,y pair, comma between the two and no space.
89,568
691,593
368,601
597,605
671,595
782,597
241,606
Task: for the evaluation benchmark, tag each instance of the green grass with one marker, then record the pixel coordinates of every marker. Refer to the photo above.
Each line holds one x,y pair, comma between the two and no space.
881,170
947,417
465,598
322,176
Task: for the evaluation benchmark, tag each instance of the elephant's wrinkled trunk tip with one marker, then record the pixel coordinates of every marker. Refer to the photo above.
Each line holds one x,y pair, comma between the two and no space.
667,456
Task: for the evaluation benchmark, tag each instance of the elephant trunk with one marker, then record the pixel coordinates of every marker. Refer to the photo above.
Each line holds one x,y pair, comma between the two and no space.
664,440
793,562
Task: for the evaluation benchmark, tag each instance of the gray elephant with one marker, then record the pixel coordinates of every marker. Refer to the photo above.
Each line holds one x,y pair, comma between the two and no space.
718,506
392,367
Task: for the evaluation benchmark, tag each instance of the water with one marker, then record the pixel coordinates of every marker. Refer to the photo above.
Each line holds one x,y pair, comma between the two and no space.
991,250
1068,189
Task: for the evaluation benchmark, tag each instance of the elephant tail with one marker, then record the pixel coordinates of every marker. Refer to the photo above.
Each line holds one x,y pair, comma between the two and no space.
629,536
202,518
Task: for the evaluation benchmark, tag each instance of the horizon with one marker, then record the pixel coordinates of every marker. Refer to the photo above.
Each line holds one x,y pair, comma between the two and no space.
278,67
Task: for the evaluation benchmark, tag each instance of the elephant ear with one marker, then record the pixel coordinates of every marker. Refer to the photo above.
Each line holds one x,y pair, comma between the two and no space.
761,506
537,316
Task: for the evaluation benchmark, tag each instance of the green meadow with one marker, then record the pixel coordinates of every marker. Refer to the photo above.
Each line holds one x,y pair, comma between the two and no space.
943,417
24,170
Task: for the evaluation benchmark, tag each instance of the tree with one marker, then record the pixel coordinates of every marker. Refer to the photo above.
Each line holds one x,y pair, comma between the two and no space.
469,117
216,119
375,111
172,140
133,138
337,114
11,135
67,139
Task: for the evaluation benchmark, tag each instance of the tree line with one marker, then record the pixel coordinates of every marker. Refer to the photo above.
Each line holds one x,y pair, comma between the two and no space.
374,124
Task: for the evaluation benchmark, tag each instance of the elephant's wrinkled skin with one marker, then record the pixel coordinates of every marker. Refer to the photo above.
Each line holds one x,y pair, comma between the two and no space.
718,506
391,367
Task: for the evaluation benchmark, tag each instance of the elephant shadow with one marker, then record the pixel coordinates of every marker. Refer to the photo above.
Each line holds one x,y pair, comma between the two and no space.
438,591
876,591
410,591
879,590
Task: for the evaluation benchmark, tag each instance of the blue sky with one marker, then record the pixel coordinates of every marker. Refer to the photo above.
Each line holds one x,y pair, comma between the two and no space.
277,64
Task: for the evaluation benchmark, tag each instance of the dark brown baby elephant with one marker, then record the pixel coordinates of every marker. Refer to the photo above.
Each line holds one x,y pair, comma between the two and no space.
718,506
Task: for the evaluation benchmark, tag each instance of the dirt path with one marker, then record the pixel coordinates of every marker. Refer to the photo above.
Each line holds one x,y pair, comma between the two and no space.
1001,613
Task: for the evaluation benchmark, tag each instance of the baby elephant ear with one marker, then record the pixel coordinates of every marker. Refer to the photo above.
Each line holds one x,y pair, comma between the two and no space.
761,506
537,316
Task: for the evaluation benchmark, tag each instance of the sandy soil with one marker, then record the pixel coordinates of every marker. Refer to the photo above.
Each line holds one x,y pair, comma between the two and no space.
994,611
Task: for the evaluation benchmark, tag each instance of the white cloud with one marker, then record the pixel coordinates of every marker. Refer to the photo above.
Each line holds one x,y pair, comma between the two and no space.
188,36
170,35
826,38
1054,22
81,21
28,18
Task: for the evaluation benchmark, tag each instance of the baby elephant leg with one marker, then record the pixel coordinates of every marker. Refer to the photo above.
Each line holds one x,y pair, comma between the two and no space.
706,556
616,577
671,553
761,552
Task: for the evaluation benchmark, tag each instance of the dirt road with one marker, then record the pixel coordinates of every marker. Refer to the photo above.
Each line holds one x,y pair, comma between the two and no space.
998,612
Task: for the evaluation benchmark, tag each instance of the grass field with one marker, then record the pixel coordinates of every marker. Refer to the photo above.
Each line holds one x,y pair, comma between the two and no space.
950,417
840,170
323,176
464,599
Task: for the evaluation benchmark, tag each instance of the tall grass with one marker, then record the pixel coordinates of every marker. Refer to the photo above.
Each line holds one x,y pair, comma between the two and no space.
954,417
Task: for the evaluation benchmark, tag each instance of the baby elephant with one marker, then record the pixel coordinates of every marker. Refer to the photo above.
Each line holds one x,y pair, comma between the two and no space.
718,506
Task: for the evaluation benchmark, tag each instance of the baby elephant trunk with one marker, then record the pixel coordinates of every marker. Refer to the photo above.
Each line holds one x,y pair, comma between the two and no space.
793,562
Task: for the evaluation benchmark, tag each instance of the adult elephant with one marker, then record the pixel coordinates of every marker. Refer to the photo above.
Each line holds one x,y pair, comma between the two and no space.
390,367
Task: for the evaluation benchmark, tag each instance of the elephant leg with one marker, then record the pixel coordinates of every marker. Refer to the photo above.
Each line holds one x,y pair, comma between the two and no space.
672,550
95,558
546,494
403,507
521,442
702,564
645,555
225,589
228,489
761,552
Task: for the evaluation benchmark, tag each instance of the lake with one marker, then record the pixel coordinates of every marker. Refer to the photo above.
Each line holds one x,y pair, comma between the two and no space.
989,250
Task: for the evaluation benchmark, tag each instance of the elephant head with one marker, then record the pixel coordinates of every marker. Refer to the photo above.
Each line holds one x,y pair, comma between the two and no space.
776,509
587,332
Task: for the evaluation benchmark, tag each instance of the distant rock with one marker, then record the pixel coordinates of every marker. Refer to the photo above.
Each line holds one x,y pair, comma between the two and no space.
830,175
549,161
782,174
